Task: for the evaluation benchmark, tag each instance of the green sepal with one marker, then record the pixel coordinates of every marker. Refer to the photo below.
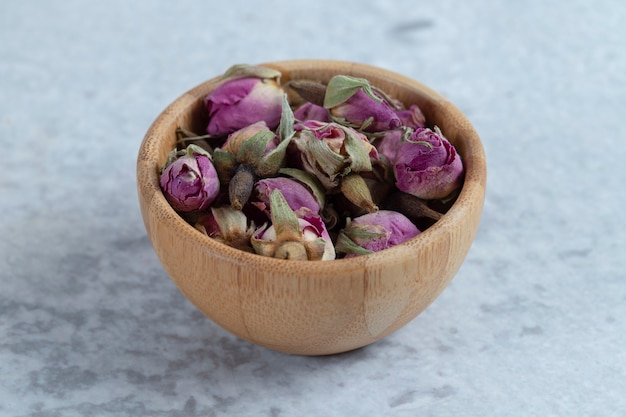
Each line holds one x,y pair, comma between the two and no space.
232,223
366,123
358,152
234,228
246,71
225,164
330,162
346,245
192,149
271,163
284,219
353,233
341,87
287,120
364,232
252,150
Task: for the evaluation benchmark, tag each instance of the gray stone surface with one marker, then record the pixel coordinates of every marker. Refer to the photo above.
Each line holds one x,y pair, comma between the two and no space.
533,324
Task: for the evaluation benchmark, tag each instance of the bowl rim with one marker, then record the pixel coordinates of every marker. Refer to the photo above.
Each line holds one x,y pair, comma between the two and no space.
473,184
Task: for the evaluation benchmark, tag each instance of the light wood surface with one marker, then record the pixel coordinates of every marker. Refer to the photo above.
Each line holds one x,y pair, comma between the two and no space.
313,307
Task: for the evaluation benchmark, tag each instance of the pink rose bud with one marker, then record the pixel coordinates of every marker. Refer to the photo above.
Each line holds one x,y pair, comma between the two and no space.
189,181
330,150
292,237
374,232
428,166
296,194
313,231
352,102
253,152
311,111
246,95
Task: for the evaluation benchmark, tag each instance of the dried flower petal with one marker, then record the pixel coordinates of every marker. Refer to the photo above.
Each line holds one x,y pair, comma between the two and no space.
412,117
310,111
291,237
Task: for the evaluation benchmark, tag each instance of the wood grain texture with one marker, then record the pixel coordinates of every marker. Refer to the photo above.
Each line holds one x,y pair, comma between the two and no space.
322,307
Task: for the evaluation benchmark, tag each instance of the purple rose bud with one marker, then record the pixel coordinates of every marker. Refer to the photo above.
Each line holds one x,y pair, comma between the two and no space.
374,232
330,151
190,182
428,166
296,194
352,102
239,102
335,135
310,111
313,231
412,117
245,156
292,237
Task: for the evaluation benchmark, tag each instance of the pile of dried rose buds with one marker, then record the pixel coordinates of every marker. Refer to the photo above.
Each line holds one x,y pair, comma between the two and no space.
310,171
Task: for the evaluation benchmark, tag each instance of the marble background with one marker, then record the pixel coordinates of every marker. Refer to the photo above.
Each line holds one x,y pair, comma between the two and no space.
532,325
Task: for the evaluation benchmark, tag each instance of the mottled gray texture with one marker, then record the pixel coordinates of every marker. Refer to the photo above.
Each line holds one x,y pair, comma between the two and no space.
533,324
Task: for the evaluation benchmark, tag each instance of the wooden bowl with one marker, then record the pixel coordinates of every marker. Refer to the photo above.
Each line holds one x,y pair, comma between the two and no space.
312,307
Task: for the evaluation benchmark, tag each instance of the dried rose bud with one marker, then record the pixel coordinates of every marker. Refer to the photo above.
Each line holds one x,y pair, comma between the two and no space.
337,156
237,138
246,94
353,102
253,152
374,232
330,150
292,237
311,111
296,194
189,180
428,166
228,226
